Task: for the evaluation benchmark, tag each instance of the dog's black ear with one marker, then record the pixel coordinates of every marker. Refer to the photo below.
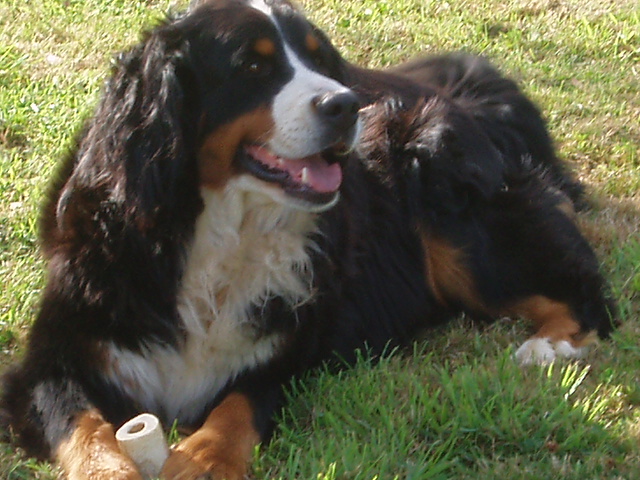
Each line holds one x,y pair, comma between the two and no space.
452,155
134,153
444,155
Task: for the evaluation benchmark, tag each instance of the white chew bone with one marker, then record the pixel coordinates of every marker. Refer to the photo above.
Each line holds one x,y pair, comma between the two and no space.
142,439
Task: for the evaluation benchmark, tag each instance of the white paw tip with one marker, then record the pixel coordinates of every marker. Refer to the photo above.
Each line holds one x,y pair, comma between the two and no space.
566,350
538,351
542,351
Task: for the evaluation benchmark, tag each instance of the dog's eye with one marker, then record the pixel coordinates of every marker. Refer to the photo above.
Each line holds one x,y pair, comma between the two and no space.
256,67
320,62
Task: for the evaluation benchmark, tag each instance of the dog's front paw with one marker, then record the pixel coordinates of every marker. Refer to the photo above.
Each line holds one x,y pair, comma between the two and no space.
221,449
91,452
200,458
109,468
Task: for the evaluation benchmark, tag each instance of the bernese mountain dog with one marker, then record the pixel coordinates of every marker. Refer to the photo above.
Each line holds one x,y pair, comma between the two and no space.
245,205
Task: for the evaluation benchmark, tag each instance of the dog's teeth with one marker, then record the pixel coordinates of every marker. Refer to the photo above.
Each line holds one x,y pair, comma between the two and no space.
305,176
280,162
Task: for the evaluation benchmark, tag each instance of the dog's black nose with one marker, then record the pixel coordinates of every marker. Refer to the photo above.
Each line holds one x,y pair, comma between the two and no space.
339,109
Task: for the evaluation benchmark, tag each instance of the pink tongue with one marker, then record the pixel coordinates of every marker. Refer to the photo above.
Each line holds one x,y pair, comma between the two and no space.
320,176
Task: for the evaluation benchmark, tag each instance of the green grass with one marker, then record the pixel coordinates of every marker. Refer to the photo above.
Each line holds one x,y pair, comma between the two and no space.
421,417
457,407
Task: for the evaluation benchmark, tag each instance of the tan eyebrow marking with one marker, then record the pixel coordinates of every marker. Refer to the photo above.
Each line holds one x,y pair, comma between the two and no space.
312,43
265,46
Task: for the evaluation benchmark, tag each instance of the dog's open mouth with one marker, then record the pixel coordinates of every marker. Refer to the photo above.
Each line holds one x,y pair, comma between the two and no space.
315,179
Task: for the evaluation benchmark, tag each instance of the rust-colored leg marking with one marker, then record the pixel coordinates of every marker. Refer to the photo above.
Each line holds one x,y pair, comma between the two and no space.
221,448
447,275
553,320
558,333
91,453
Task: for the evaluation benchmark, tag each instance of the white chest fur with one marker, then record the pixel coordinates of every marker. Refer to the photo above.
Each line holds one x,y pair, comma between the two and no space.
246,249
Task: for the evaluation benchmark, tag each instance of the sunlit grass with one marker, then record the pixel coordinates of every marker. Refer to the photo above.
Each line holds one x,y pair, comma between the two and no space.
457,407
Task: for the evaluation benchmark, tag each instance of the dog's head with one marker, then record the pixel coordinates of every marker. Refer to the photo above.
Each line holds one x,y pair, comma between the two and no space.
240,94
273,115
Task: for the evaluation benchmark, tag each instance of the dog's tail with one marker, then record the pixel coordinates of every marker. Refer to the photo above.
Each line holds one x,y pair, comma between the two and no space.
510,119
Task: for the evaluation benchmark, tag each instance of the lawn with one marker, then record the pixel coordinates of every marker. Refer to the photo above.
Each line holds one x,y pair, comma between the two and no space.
455,405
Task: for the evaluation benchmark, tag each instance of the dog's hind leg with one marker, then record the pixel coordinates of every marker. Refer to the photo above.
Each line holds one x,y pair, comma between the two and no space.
522,256
550,275
566,303
559,333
